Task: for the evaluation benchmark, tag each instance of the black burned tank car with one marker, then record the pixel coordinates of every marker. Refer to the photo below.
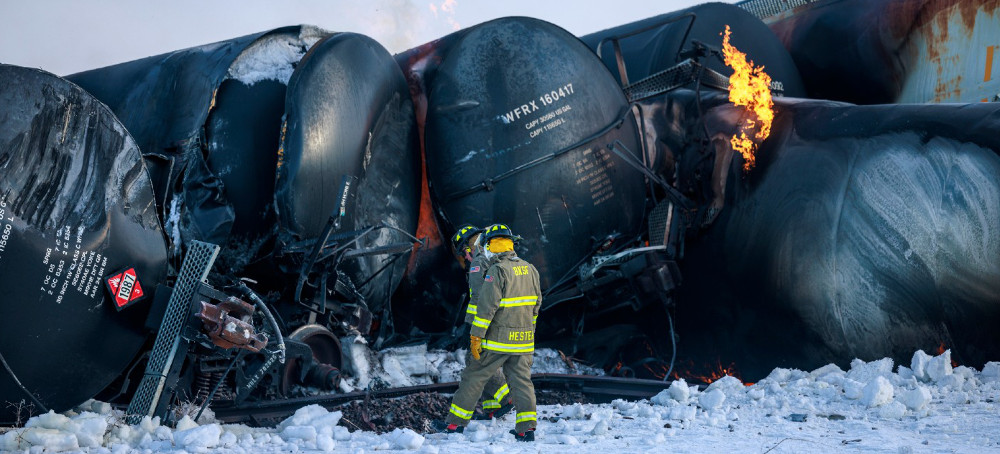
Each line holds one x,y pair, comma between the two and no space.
349,115
76,206
519,118
652,45
249,140
208,121
862,232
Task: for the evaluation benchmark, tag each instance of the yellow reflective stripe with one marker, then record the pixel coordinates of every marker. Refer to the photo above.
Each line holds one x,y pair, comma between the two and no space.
534,320
481,322
472,309
491,404
508,348
460,412
502,392
519,301
527,416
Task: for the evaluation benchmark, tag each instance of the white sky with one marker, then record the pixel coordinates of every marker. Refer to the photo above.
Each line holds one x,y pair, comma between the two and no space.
67,36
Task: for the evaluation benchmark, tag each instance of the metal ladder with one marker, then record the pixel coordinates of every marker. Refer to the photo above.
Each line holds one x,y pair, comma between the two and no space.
149,399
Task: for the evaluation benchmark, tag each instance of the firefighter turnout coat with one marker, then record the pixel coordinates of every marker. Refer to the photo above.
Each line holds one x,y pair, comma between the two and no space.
507,306
477,270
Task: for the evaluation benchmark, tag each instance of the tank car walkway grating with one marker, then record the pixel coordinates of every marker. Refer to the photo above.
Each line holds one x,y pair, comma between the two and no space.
197,263
675,77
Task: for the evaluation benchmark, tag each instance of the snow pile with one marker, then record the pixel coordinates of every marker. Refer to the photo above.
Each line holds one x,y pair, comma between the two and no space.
416,365
550,361
273,57
926,407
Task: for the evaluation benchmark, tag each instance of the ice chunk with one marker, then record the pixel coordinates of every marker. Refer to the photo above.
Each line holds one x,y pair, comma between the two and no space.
89,429
406,439
853,390
940,366
916,398
50,439
729,385
312,415
228,439
601,428
50,420
477,436
325,443
567,440
679,390
953,381
307,433
575,411
185,423
826,370
892,410
991,371
206,436
878,392
863,372
711,400
411,360
919,365
683,413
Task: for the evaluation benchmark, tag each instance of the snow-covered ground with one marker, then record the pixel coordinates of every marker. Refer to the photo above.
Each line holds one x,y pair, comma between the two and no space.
873,407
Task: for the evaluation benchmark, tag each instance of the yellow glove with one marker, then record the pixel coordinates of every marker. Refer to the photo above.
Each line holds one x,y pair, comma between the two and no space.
475,346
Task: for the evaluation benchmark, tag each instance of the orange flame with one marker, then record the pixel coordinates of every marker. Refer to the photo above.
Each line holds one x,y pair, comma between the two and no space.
707,373
940,351
749,86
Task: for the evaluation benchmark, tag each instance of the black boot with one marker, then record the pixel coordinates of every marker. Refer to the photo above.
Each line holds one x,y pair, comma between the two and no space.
443,427
505,408
528,435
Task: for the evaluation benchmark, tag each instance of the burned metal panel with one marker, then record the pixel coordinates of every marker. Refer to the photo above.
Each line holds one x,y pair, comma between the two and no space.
863,231
660,47
76,205
192,112
872,52
349,113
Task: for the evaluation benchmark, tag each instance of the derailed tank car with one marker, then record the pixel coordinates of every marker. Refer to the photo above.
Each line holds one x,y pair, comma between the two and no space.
659,44
862,231
250,142
294,150
76,206
519,119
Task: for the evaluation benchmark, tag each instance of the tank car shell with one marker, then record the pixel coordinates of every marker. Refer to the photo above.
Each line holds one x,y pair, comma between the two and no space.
76,206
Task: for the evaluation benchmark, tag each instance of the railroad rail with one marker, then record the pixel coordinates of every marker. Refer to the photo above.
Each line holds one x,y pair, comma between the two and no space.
599,389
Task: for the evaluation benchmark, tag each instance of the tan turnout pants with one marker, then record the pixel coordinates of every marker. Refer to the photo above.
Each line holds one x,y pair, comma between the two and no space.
495,392
517,370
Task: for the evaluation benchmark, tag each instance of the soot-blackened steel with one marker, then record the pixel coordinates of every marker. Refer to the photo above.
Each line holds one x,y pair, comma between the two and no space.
349,114
76,204
655,50
519,117
210,140
862,232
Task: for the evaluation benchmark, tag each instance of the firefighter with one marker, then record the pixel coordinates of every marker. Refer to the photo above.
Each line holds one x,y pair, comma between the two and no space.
496,394
502,334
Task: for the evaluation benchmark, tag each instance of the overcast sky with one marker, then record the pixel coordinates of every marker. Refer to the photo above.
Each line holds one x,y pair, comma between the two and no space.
68,36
